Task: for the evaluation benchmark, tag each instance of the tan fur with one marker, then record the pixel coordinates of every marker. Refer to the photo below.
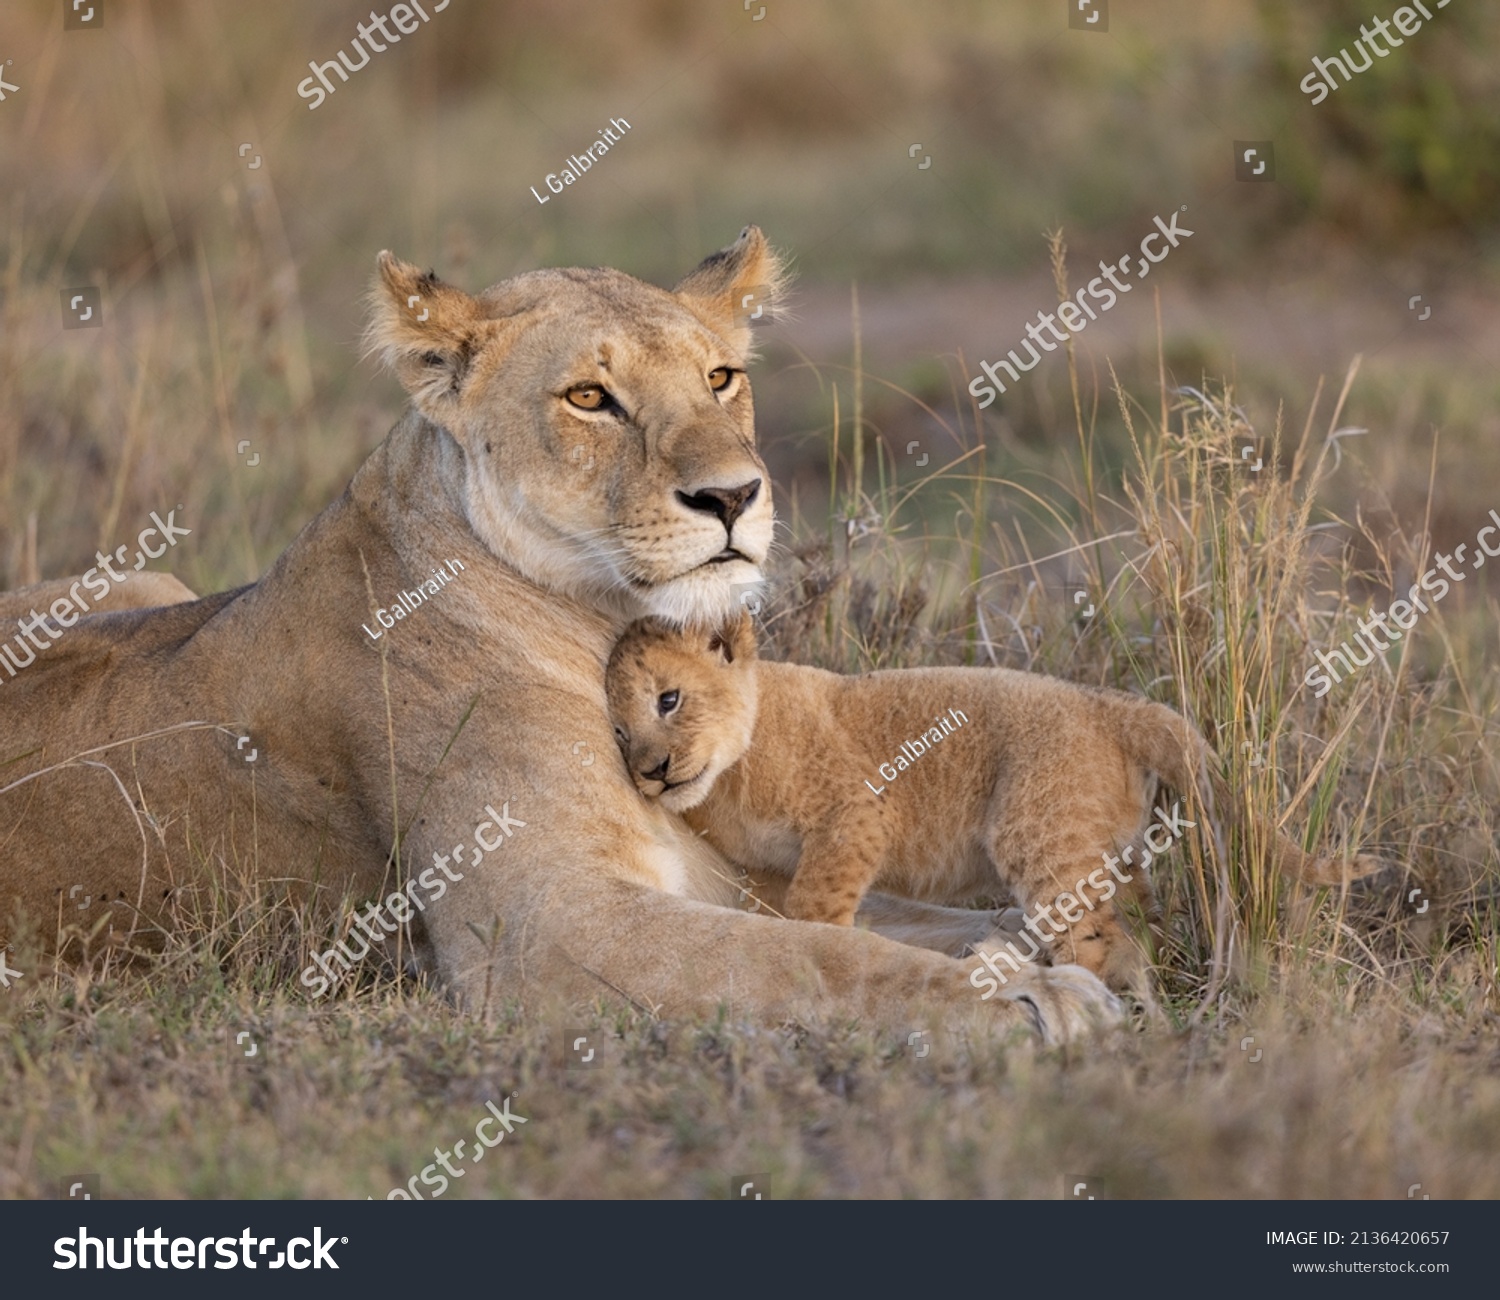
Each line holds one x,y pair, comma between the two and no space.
1033,786
123,770
144,590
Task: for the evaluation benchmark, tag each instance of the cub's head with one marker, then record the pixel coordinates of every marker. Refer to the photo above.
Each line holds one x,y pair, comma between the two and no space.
606,424
683,705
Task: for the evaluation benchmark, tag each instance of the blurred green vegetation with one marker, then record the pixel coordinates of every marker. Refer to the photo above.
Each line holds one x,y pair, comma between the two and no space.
801,122
1410,148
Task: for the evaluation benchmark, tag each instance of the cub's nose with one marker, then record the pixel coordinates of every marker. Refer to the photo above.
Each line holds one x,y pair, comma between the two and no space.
728,504
659,772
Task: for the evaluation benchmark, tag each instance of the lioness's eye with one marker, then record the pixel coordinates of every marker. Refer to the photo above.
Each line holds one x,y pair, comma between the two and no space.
589,397
667,702
719,379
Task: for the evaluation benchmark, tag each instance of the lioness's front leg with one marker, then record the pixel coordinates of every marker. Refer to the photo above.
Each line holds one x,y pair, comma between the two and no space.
590,887
576,931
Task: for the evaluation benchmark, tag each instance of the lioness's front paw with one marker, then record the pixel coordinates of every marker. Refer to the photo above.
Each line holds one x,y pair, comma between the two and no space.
1067,1002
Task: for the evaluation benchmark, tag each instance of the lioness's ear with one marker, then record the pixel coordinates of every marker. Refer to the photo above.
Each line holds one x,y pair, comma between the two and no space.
744,282
425,330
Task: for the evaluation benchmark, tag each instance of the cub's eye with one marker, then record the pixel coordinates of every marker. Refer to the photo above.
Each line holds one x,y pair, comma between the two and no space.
719,379
668,701
590,397
621,736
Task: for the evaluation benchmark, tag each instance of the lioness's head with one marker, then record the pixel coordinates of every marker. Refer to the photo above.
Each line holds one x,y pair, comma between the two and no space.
606,424
683,705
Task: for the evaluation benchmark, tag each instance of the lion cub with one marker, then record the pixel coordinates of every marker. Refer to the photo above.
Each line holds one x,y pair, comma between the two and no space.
933,783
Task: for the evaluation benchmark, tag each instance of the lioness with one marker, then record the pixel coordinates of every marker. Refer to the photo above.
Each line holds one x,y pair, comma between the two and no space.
579,451
934,783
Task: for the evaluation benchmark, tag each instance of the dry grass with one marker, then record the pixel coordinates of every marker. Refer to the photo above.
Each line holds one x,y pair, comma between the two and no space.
1374,1054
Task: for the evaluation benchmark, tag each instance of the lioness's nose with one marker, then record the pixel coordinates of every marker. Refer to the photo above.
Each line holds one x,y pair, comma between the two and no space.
727,503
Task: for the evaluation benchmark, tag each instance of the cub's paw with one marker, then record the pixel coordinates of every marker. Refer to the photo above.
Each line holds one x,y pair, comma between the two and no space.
1004,928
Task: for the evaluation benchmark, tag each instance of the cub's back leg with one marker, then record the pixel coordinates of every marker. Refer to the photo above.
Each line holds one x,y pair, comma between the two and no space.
1050,832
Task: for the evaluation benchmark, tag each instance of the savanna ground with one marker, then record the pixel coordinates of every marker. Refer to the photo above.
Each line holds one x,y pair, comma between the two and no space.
1114,478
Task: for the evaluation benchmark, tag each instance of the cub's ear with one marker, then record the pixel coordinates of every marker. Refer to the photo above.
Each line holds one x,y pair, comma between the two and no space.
735,640
745,281
425,330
